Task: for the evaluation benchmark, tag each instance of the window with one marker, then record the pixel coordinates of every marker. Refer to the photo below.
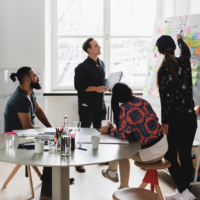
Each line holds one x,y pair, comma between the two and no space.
122,28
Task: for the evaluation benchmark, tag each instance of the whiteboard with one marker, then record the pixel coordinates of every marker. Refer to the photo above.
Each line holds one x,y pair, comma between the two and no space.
7,87
174,25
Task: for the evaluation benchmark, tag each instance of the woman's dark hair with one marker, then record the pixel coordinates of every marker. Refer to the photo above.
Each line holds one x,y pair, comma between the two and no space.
121,93
87,44
21,73
166,46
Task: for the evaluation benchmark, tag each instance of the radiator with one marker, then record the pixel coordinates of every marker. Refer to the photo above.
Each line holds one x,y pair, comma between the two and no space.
109,115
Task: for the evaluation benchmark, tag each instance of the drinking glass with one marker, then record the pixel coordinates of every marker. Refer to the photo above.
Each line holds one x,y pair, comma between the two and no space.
53,147
77,131
9,140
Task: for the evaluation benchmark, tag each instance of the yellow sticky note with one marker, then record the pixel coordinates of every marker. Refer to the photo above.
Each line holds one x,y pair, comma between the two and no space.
195,43
189,43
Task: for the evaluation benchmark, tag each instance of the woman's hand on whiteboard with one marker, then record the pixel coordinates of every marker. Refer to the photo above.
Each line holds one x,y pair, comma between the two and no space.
165,128
179,36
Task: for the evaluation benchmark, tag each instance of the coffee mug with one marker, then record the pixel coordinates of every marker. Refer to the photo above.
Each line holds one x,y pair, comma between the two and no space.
95,141
39,146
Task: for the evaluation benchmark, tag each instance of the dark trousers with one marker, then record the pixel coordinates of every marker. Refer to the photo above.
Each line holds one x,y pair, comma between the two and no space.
180,139
47,175
88,116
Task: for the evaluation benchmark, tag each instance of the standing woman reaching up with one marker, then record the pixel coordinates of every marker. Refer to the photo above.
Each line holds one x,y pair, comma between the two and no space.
179,120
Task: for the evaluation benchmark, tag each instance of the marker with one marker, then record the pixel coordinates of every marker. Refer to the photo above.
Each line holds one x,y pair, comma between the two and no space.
181,31
82,149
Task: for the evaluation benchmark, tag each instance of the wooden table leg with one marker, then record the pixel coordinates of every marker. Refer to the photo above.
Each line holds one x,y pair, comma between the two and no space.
30,181
60,183
11,175
37,171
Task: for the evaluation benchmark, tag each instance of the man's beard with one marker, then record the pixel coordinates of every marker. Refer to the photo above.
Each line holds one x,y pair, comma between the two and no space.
36,85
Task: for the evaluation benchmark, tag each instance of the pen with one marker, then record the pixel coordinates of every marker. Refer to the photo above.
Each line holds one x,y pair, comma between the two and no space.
181,31
82,149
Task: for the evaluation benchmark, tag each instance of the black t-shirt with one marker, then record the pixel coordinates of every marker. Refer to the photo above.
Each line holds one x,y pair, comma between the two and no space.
19,102
176,96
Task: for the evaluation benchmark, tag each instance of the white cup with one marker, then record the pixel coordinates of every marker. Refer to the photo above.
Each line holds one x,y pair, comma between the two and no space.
105,123
39,146
95,141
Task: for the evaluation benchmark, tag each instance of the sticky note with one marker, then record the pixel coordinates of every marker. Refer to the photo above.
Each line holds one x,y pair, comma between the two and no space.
196,66
154,91
190,36
187,30
157,94
154,48
186,41
156,68
155,54
196,51
195,43
195,36
167,30
189,43
194,74
159,31
146,89
152,68
194,81
199,93
198,36
192,65
192,50
162,30
151,91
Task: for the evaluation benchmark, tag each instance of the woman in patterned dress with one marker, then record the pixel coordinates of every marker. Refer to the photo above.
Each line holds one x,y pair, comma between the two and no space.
135,120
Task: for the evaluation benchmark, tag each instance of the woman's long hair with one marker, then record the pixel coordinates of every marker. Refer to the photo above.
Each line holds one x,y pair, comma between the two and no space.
166,46
121,93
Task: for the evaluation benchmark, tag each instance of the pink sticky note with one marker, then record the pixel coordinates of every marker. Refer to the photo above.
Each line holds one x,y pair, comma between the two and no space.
187,30
155,69
159,31
154,54
151,91
198,36
192,64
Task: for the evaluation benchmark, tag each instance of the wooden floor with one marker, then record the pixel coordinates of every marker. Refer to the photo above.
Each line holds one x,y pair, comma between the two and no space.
88,186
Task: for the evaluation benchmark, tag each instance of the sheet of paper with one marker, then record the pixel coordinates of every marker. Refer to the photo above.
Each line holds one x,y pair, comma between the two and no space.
27,132
104,139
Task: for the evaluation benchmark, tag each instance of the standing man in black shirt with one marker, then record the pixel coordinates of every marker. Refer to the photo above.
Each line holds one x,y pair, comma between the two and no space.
89,81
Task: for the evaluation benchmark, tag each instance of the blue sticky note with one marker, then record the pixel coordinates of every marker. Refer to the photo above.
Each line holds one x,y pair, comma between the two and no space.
195,36
192,50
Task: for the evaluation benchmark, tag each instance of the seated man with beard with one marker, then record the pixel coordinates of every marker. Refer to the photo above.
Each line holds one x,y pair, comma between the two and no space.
20,113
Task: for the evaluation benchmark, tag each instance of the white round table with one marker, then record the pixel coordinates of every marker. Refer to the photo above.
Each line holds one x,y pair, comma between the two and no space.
60,165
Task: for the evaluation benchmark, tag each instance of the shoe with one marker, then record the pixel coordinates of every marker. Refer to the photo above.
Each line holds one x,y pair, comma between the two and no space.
111,175
80,169
71,180
187,195
174,196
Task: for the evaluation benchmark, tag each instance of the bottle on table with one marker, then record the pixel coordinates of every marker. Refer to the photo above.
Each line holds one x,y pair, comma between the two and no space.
65,139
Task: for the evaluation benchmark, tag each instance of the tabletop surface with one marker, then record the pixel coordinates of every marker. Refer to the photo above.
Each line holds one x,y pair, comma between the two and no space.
105,153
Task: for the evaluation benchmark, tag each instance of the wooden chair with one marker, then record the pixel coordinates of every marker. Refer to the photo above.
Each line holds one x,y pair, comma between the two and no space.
151,175
29,175
134,194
